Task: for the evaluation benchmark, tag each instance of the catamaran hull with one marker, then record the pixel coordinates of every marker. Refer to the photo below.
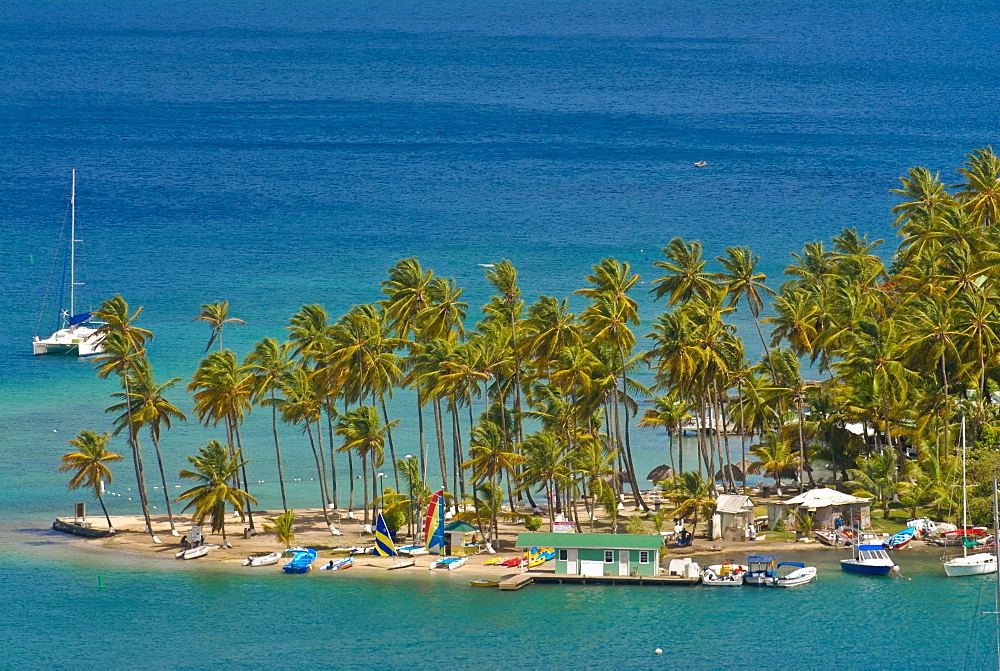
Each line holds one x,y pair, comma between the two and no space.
78,341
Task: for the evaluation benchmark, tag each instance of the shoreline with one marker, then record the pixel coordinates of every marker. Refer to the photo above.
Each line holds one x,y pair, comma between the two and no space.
311,531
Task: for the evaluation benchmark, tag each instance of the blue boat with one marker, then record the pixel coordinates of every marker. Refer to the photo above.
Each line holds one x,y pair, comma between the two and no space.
869,560
759,569
301,561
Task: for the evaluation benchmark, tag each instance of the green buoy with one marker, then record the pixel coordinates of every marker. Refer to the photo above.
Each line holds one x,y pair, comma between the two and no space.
100,581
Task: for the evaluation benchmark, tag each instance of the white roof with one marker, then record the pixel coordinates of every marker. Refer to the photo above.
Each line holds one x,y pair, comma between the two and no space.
821,498
858,428
733,503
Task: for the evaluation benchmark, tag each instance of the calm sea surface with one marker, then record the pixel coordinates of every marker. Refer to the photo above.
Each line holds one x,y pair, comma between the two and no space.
282,155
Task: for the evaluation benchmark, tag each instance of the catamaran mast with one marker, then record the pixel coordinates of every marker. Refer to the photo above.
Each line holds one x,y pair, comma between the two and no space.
72,248
965,497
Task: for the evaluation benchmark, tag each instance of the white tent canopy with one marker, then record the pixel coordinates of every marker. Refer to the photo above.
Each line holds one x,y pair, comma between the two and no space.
821,498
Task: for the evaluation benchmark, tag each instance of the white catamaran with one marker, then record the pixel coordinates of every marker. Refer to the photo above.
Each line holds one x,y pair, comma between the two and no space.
76,334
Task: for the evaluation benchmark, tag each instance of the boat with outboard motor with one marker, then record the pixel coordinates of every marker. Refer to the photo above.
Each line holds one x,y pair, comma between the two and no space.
799,575
760,568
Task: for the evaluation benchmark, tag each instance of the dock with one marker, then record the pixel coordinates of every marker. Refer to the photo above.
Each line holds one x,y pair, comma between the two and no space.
516,582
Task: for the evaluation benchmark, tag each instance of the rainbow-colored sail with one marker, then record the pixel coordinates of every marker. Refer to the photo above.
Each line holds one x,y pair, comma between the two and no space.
434,524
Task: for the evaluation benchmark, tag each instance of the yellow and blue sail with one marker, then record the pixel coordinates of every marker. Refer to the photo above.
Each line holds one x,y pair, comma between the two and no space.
434,524
383,541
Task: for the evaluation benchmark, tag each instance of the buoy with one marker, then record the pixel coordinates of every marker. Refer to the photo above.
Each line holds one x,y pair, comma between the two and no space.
658,651
100,581
55,431
895,568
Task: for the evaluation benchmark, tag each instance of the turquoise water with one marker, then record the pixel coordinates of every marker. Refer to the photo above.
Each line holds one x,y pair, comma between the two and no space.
281,156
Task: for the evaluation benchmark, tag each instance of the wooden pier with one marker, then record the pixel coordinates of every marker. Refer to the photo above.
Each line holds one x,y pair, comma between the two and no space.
516,582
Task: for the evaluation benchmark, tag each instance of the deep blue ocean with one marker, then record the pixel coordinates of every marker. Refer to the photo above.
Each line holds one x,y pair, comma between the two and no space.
278,154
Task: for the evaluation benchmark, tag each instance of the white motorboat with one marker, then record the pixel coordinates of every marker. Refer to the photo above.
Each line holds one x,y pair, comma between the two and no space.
979,563
801,575
450,563
77,334
724,575
264,560
761,568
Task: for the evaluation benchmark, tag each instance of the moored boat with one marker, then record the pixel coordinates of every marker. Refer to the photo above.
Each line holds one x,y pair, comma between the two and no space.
724,575
760,568
484,582
799,575
869,560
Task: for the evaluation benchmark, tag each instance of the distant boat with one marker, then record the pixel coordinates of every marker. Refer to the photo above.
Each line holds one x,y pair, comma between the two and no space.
801,575
979,563
80,530
301,561
338,564
77,335
700,164
263,560
195,552
450,563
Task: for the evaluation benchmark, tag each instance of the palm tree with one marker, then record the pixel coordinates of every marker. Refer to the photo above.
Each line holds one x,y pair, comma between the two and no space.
878,477
283,527
223,391
268,363
490,457
774,457
364,432
301,405
980,192
217,315
692,495
90,465
685,276
124,342
671,413
740,279
148,407
545,463
214,470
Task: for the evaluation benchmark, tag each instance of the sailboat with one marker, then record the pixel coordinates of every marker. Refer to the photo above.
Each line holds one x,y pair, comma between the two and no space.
980,563
77,334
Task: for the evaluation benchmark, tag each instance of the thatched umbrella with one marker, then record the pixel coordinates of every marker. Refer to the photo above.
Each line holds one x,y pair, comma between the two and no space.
661,473
735,473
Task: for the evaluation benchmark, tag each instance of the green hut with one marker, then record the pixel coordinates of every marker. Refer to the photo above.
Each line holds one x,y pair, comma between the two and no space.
599,554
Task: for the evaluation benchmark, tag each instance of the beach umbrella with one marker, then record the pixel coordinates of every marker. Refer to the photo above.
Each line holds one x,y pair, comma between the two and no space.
661,473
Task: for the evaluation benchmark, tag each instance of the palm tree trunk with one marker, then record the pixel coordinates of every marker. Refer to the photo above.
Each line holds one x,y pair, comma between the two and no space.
163,480
333,459
350,474
246,483
100,500
140,473
277,452
322,456
392,447
438,425
364,470
420,433
319,473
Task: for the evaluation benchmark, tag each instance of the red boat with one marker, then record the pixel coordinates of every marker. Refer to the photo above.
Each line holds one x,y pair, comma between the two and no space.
512,562
967,531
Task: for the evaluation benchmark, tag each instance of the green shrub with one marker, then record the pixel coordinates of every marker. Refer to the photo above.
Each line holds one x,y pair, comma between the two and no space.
533,523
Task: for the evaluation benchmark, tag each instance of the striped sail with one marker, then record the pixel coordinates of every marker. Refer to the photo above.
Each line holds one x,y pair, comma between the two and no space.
434,524
383,541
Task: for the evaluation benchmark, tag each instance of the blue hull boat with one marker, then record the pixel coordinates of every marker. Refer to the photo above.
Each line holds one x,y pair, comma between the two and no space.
852,566
869,560
301,562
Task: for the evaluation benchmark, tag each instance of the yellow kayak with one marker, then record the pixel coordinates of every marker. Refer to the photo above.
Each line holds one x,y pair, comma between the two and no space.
496,560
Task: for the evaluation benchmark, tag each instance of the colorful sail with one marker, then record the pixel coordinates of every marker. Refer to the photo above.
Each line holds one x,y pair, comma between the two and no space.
383,541
434,524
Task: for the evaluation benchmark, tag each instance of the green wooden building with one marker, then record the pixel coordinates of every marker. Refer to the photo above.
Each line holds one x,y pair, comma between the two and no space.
599,554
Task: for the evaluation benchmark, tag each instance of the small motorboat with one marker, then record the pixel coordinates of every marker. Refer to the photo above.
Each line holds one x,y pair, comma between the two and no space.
195,552
700,164
406,563
761,568
301,561
682,571
724,575
338,564
800,575
899,540
264,560
450,563
483,582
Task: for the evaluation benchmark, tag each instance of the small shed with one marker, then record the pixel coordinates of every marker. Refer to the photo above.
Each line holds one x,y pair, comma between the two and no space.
599,554
732,519
461,538
825,505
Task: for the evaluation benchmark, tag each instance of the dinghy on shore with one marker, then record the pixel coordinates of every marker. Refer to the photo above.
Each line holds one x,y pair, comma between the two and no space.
263,560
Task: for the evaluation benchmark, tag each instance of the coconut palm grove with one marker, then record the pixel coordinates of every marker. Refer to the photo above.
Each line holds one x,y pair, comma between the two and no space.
875,366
